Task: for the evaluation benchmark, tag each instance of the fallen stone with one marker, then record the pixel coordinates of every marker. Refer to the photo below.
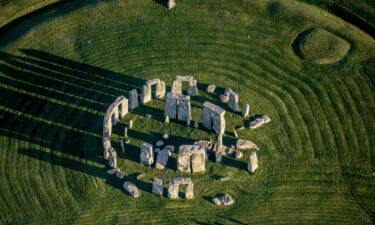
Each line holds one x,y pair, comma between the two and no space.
127,141
157,186
131,189
113,171
159,143
140,176
216,201
238,154
229,151
227,91
211,88
120,175
165,136
224,98
171,4
259,122
253,162
224,178
226,200
246,144
205,144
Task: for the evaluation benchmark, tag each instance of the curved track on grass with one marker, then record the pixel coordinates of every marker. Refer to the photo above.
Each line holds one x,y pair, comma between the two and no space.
59,71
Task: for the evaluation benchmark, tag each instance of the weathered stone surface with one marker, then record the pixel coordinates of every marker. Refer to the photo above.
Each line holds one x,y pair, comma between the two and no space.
133,99
229,151
219,148
165,136
259,122
170,148
120,175
162,159
160,90
194,154
147,154
171,4
253,162
193,88
223,98
216,201
213,117
233,101
246,144
117,110
177,106
226,200
159,143
238,154
177,85
205,144
131,189
227,91
211,88
112,161
245,110
113,171
145,94
184,110
147,90
157,186
174,185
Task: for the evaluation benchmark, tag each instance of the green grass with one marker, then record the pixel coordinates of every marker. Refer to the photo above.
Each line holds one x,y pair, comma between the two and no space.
60,70
320,46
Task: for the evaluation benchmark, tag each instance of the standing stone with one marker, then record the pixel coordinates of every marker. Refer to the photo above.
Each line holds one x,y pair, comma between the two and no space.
213,117
131,189
245,110
219,148
120,175
224,98
198,160
133,99
166,119
171,104
238,154
188,122
145,94
227,91
130,124
147,154
160,90
233,101
174,184
193,88
183,160
171,4
162,159
235,133
253,162
196,125
184,110
211,88
122,145
112,161
125,132
157,186
177,87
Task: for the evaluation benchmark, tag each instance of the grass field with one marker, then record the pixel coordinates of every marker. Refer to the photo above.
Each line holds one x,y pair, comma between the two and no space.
60,69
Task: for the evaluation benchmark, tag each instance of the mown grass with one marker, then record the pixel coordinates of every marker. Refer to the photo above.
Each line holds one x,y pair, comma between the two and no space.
60,70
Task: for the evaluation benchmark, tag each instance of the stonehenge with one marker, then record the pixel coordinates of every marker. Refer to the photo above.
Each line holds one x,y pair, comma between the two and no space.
252,165
117,110
157,186
213,117
174,185
191,158
133,99
259,122
147,154
177,85
146,93
177,106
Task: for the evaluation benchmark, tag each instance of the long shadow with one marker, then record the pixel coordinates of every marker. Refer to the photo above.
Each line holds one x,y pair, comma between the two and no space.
86,169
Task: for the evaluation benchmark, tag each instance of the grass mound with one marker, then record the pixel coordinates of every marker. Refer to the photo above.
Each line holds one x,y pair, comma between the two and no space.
320,46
